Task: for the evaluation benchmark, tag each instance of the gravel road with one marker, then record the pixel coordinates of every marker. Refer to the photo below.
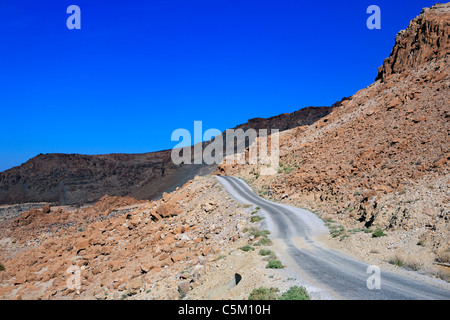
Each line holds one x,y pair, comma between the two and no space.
296,234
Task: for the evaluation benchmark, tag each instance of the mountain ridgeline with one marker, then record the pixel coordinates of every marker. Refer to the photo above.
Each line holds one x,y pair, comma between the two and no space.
70,179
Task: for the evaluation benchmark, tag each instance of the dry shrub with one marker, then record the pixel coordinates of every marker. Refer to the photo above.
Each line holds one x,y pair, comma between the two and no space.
443,253
406,260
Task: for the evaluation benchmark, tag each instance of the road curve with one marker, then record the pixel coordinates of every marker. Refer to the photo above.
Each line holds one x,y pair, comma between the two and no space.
296,232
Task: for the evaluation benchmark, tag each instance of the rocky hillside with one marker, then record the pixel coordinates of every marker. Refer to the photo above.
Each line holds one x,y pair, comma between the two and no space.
378,159
381,158
184,245
77,179
285,121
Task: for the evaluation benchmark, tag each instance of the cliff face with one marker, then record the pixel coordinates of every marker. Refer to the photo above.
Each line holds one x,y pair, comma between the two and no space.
426,38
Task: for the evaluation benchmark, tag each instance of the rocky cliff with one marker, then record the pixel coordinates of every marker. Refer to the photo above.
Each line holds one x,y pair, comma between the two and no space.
426,39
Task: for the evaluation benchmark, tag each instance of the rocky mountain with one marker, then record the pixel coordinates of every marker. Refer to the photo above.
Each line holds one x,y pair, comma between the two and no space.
377,160
77,179
381,158
285,121
426,39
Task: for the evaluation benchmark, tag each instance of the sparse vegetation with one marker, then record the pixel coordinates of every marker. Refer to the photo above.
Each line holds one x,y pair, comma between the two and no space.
262,293
2,267
443,254
247,248
407,261
221,257
336,231
295,293
256,232
335,228
365,230
263,242
274,264
256,219
265,252
378,233
286,168
269,254
396,261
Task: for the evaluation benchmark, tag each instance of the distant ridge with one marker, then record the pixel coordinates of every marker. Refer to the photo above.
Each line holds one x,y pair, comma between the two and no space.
76,179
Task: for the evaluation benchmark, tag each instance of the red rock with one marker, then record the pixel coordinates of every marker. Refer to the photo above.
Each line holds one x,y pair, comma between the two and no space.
146,267
178,257
166,210
81,245
156,270
163,256
440,162
423,37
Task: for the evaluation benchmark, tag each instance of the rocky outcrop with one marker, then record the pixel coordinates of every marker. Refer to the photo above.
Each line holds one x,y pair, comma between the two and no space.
426,38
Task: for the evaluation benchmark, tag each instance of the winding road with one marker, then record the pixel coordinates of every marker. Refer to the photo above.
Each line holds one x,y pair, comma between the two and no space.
296,235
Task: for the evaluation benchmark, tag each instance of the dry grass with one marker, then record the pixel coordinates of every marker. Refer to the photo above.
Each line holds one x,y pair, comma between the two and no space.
407,260
443,253
421,262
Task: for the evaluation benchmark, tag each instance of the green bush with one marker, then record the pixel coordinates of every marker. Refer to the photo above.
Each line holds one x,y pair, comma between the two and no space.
263,242
2,267
274,264
269,254
378,233
262,293
247,248
396,261
256,232
265,252
295,293
256,219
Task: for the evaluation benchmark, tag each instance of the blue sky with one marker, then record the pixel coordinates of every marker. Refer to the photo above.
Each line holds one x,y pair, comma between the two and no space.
138,70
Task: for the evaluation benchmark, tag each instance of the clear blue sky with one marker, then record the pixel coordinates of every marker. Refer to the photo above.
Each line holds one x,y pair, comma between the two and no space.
137,70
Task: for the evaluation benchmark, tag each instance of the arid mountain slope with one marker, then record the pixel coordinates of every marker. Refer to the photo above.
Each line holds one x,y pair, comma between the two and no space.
76,179
285,121
186,243
380,159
